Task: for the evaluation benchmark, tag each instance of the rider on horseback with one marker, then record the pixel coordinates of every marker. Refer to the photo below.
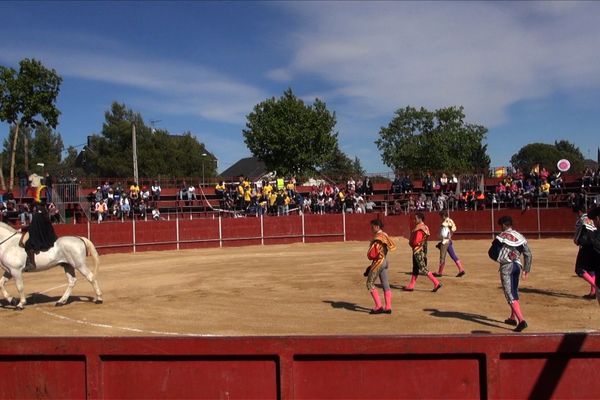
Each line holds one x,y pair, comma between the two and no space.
39,236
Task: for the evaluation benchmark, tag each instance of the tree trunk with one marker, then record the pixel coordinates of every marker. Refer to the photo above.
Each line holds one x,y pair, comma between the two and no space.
11,181
2,183
26,151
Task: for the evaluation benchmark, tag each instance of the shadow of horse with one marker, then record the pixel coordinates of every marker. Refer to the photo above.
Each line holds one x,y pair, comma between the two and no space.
347,306
40,298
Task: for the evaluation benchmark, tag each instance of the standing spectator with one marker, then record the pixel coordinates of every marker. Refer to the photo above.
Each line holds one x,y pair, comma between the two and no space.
48,181
23,182
507,249
428,183
444,182
35,181
418,243
368,186
351,185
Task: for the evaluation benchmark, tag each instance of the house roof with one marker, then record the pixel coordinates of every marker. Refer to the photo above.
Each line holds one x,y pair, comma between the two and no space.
251,167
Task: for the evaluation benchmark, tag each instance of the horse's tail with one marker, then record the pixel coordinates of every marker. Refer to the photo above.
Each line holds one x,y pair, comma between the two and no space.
91,251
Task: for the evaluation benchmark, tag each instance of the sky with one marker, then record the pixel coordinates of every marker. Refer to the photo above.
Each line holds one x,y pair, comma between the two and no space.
528,71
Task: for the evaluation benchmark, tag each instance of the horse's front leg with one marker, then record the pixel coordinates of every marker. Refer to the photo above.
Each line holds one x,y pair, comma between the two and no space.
21,289
5,278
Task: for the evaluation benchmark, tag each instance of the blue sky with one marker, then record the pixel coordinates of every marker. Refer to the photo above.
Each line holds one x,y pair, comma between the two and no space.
529,71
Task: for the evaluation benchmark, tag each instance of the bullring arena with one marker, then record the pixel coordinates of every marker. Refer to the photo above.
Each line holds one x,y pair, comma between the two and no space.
300,289
241,308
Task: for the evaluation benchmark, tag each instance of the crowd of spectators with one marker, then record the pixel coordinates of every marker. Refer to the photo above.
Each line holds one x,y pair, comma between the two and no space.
115,201
434,192
280,197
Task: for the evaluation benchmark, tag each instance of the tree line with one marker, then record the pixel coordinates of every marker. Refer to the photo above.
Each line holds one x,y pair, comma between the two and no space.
287,134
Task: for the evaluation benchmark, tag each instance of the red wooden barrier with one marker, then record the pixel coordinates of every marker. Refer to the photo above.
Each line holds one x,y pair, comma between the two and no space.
369,367
110,237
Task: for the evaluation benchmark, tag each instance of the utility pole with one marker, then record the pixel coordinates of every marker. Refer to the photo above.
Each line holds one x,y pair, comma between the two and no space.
134,146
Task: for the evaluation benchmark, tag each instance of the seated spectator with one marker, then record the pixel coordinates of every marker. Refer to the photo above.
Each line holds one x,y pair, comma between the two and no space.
142,209
182,193
191,194
53,213
155,191
25,215
125,207
145,194
155,214
370,205
544,188
134,191
100,209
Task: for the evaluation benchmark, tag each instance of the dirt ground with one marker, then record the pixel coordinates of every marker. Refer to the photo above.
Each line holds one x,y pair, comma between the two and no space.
300,289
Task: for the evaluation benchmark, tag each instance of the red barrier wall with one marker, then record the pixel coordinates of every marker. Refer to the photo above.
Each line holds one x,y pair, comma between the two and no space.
114,237
465,366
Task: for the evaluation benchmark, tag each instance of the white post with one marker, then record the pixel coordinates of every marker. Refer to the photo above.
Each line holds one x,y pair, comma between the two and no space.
344,224
539,222
303,233
133,230
220,233
262,231
177,234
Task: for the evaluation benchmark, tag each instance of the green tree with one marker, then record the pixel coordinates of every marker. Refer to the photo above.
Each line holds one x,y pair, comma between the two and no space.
340,166
46,147
547,155
110,154
289,136
419,140
28,99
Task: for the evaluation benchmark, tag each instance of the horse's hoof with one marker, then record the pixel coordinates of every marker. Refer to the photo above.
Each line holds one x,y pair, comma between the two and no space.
59,304
19,307
13,302
98,301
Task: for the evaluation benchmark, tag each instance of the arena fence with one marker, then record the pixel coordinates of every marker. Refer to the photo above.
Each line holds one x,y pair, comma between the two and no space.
135,235
352,367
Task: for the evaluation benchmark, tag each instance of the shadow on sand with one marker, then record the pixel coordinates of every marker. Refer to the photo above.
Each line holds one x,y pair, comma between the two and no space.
347,306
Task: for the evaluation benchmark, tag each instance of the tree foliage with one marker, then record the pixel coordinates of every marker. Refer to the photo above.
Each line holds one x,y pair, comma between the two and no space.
440,140
110,154
342,166
289,136
46,146
547,155
28,100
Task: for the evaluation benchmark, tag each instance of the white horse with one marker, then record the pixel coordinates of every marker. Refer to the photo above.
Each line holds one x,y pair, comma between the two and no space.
68,251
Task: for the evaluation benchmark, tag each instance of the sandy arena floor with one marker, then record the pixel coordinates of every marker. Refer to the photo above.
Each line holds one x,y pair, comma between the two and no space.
300,289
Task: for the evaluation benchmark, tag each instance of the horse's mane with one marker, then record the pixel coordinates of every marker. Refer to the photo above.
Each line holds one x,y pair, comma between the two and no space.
7,227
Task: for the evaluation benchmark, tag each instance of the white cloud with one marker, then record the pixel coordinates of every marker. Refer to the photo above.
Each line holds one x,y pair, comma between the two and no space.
279,75
182,88
486,56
